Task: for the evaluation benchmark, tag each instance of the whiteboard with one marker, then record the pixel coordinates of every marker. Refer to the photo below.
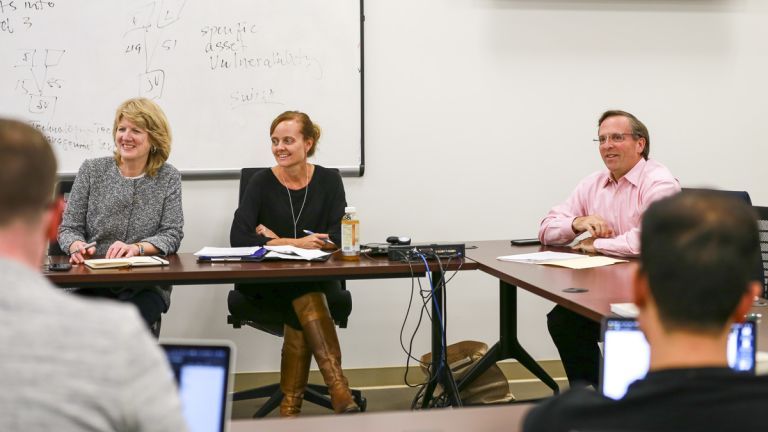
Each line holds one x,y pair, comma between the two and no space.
221,71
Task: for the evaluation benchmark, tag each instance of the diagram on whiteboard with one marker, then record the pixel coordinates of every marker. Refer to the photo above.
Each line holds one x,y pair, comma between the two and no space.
220,70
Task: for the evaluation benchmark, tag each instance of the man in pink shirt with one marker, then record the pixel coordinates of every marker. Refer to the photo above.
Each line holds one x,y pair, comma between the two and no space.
609,205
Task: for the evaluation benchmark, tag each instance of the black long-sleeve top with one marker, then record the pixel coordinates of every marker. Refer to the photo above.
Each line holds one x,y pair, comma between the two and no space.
266,202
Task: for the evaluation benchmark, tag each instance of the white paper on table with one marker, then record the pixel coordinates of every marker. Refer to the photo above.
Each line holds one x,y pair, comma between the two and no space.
540,257
585,262
209,251
294,253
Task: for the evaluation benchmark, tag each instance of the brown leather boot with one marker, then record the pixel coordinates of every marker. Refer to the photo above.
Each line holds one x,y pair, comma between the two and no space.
320,333
294,371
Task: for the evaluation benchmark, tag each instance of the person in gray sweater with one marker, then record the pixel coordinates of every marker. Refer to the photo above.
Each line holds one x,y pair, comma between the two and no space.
67,363
129,204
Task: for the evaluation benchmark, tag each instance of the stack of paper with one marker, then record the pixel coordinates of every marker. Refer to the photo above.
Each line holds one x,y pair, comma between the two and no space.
562,259
295,253
257,253
253,253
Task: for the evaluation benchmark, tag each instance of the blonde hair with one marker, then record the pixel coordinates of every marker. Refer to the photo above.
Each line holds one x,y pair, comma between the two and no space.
309,130
147,115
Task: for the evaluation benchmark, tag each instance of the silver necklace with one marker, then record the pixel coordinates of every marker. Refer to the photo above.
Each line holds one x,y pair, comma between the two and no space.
290,202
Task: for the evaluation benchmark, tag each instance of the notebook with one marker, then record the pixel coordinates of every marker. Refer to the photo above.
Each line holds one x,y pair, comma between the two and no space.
134,261
203,372
626,353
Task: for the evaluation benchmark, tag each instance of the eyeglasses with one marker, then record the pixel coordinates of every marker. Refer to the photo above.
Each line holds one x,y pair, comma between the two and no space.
615,137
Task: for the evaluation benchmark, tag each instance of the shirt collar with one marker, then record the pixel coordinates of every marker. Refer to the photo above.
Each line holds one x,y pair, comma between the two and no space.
633,176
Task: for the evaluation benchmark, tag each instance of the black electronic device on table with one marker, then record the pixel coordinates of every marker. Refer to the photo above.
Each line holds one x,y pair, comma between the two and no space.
525,242
59,267
383,248
427,250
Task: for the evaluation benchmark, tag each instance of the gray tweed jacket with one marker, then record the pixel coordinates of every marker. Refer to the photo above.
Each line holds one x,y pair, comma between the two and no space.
105,207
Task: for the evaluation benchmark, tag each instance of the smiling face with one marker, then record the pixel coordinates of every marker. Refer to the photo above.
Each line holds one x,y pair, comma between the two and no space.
620,157
289,147
132,142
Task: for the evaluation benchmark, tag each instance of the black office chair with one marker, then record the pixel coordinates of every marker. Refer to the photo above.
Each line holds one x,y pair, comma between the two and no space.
762,212
245,311
63,188
762,226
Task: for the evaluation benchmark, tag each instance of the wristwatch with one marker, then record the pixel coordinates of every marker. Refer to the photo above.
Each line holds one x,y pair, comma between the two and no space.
141,248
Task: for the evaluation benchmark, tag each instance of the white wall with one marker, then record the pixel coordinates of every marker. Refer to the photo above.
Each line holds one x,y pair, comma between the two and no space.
480,115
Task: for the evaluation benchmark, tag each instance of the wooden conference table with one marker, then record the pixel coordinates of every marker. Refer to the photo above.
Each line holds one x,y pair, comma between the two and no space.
507,418
185,270
604,285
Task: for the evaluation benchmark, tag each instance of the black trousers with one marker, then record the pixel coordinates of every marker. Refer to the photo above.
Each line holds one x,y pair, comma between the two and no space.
273,302
149,303
576,340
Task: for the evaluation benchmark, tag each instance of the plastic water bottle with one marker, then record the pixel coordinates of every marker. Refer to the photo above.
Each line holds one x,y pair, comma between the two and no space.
350,235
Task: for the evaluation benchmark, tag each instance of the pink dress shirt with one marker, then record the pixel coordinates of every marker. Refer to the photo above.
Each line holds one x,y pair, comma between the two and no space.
620,203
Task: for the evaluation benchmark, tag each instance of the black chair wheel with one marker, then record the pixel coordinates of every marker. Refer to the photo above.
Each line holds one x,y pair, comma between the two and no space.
362,403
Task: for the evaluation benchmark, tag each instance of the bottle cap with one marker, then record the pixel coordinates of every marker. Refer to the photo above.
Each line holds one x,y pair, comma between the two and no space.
350,210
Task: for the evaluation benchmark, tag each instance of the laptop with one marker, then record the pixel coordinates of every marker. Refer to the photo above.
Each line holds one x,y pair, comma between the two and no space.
626,353
202,370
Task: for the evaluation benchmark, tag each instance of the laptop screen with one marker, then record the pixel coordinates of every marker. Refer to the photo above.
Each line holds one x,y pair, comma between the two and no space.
626,353
202,371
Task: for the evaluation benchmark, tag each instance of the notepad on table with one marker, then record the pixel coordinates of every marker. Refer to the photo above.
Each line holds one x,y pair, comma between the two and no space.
135,261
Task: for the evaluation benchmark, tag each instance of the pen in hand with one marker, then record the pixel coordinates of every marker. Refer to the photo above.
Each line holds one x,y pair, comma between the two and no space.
85,247
327,241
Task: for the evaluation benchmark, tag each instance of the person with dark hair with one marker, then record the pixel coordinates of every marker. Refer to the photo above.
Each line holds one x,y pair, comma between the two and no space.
696,278
606,207
68,364
128,204
279,205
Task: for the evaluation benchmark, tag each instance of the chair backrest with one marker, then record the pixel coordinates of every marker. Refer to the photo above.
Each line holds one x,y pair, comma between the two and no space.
245,177
762,225
742,195
63,188
760,267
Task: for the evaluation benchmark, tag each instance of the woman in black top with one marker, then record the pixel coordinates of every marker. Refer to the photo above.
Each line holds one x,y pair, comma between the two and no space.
279,204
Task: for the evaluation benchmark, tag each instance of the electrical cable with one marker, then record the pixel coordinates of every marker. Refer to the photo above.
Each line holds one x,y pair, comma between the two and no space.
428,297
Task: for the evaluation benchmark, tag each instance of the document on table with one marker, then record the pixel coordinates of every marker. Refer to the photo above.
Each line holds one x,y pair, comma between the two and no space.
540,257
586,262
295,253
562,259
209,251
253,253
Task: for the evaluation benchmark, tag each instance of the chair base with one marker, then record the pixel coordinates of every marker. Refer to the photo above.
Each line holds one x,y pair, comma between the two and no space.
316,394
